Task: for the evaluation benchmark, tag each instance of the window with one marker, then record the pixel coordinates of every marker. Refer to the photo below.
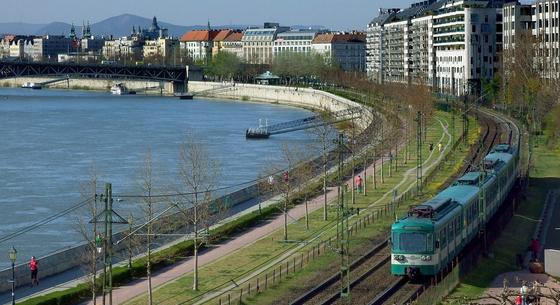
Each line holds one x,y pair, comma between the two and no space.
413,242
474,28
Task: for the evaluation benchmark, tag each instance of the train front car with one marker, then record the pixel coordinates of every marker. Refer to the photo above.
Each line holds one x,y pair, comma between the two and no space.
412,248
416,239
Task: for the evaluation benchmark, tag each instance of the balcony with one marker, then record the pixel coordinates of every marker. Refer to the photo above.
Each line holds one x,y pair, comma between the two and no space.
450,39
460,18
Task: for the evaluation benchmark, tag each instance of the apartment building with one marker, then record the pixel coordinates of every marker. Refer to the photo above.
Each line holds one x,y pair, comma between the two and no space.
347,50
295,41
164,49
448,44
538,24
233,44
258,43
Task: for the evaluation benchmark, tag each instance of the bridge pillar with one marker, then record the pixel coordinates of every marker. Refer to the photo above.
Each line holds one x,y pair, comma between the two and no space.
176,87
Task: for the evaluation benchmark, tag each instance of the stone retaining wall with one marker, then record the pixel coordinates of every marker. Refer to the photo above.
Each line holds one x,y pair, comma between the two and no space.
300,97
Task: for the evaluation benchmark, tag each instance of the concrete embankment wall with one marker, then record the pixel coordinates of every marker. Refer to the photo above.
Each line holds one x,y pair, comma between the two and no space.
91,84
307,98
300,97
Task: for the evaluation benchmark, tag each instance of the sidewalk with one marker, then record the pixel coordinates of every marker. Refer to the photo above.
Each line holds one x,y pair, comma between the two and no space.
515,280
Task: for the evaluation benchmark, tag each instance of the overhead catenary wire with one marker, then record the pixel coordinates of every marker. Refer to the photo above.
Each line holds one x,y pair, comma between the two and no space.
45,221
211,190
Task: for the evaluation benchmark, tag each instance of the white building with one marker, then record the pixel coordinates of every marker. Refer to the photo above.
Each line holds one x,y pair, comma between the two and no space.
198,44
16,46
123,48
451,45
539,22
233,44
165,50
546,29
295,41
348,50
258,43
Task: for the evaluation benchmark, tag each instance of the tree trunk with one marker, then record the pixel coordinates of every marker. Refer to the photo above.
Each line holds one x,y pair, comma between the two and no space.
149,256
286,219
306,215
195,230
364,184
325,213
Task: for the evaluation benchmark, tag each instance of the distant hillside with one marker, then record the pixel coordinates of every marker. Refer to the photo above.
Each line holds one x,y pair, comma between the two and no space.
117,26
19,28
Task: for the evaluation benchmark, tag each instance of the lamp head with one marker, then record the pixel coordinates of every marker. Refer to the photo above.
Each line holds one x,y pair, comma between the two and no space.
13,254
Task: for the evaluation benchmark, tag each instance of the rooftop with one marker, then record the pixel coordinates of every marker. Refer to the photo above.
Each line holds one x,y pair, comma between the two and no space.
335,37
199,35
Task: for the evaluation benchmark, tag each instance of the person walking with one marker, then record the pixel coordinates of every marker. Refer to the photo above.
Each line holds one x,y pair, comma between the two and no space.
439,146
34,267
359,183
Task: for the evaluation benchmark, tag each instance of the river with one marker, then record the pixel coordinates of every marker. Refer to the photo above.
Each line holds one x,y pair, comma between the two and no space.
50,140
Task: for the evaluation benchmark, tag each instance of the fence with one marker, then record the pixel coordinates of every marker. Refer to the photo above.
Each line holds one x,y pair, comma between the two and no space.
293,264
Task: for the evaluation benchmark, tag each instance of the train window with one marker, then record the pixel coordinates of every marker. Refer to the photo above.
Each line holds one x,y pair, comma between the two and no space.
443,237
412,242
395,240
458,225
430,242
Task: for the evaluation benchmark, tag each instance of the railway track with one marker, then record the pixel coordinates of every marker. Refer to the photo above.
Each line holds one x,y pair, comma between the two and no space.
374,266
328,292
405,292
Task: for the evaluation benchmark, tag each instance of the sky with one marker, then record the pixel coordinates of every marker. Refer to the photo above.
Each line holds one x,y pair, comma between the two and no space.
334,14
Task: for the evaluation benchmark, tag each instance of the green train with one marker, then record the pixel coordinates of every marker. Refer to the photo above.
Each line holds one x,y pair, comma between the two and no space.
432,234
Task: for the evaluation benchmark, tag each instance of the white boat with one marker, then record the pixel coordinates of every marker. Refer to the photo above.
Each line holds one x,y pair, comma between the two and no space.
119,89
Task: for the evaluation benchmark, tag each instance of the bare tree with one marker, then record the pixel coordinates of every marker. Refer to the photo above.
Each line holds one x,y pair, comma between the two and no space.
147,186
324,135
88,231
198,174
288,181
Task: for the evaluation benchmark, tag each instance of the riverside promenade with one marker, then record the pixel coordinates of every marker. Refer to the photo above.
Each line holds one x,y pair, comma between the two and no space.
128,292
137,288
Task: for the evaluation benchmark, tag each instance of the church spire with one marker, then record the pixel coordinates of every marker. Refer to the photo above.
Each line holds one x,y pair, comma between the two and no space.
72,32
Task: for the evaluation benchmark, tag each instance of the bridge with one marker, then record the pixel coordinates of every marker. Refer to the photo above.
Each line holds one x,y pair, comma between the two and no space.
265,131
178,75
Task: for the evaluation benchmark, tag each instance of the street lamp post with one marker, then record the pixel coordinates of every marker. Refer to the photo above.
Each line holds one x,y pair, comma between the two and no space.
13,256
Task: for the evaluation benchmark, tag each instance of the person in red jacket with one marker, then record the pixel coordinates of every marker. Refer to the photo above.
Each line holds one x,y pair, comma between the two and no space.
358,182
34,267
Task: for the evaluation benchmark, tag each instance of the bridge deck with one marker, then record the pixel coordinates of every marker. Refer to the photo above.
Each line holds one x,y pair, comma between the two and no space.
306,123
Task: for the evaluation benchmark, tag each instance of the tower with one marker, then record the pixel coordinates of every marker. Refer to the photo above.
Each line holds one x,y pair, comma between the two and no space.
72,32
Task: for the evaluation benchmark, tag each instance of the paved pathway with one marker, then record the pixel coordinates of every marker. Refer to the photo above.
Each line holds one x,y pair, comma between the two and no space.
515,281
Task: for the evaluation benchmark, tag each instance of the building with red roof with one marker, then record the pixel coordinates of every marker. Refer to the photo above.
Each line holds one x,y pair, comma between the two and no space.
348,50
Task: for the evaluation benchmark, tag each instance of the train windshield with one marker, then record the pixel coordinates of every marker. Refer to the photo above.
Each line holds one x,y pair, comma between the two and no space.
413,242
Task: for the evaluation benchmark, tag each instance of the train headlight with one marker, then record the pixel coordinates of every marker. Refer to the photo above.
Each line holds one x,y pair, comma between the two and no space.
426,258
399,257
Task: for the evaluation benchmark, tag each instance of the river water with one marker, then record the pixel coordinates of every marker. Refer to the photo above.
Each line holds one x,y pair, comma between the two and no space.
50,140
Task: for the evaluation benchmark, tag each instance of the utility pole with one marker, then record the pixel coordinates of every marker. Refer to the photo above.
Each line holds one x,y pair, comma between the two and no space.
452,125
482,197
343,227
465,121
108,217
109,237
419,153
